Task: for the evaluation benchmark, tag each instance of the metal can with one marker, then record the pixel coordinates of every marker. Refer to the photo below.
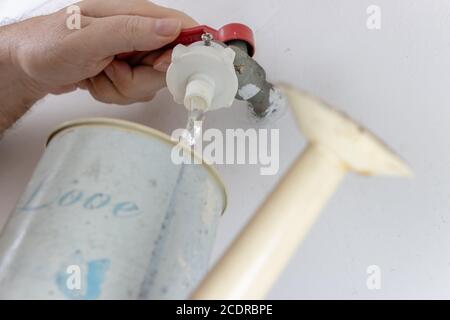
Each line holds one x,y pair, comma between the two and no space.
108,215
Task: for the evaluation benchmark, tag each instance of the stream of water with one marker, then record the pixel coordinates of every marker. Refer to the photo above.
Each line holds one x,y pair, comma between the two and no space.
193,127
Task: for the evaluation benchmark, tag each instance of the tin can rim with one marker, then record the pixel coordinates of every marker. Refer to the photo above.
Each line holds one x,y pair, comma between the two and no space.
141,129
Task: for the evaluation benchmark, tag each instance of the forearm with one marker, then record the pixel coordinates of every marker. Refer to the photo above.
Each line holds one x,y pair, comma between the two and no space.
16,94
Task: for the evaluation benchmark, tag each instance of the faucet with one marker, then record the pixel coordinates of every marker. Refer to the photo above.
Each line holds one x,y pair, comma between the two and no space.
214,67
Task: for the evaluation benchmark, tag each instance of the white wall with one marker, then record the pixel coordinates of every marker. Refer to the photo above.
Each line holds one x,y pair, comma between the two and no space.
395,80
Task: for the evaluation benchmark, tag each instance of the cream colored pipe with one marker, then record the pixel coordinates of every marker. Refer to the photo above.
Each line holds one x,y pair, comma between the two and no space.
259,254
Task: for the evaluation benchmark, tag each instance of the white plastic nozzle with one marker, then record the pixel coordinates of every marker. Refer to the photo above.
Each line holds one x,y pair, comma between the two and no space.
202,77
199,94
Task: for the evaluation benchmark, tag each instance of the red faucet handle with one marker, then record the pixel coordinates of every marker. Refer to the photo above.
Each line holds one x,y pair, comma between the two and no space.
229,32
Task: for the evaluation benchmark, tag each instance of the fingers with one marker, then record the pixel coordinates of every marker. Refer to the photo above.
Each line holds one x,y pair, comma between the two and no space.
102,89
112,27
118,34
121,84
137,58
158,59
63,89
162,62
105,8
137,83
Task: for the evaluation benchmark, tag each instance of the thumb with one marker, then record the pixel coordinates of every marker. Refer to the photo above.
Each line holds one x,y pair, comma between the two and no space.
118,34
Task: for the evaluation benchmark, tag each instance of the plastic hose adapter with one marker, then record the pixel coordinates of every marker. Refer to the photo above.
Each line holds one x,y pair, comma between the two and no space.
202,77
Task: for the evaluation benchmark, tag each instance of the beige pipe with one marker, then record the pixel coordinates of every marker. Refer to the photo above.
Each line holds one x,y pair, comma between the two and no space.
259,254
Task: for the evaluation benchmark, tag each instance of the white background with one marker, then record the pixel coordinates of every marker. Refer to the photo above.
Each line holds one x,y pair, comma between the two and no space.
396,81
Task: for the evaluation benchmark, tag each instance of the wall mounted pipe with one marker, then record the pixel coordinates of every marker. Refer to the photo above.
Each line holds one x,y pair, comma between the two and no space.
253,85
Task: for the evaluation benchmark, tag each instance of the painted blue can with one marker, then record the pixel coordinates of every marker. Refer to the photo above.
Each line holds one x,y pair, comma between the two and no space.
108,215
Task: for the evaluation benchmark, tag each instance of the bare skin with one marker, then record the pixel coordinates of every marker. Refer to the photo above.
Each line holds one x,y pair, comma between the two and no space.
42,55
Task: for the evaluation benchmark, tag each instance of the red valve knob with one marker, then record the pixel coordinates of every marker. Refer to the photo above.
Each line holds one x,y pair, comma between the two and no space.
229,32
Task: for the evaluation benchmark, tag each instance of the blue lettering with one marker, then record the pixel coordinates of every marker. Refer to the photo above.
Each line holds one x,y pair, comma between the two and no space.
34,195
35,201
124,209
97,201
70,198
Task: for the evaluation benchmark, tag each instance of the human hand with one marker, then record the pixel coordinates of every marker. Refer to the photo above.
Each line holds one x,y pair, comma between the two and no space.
51,58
